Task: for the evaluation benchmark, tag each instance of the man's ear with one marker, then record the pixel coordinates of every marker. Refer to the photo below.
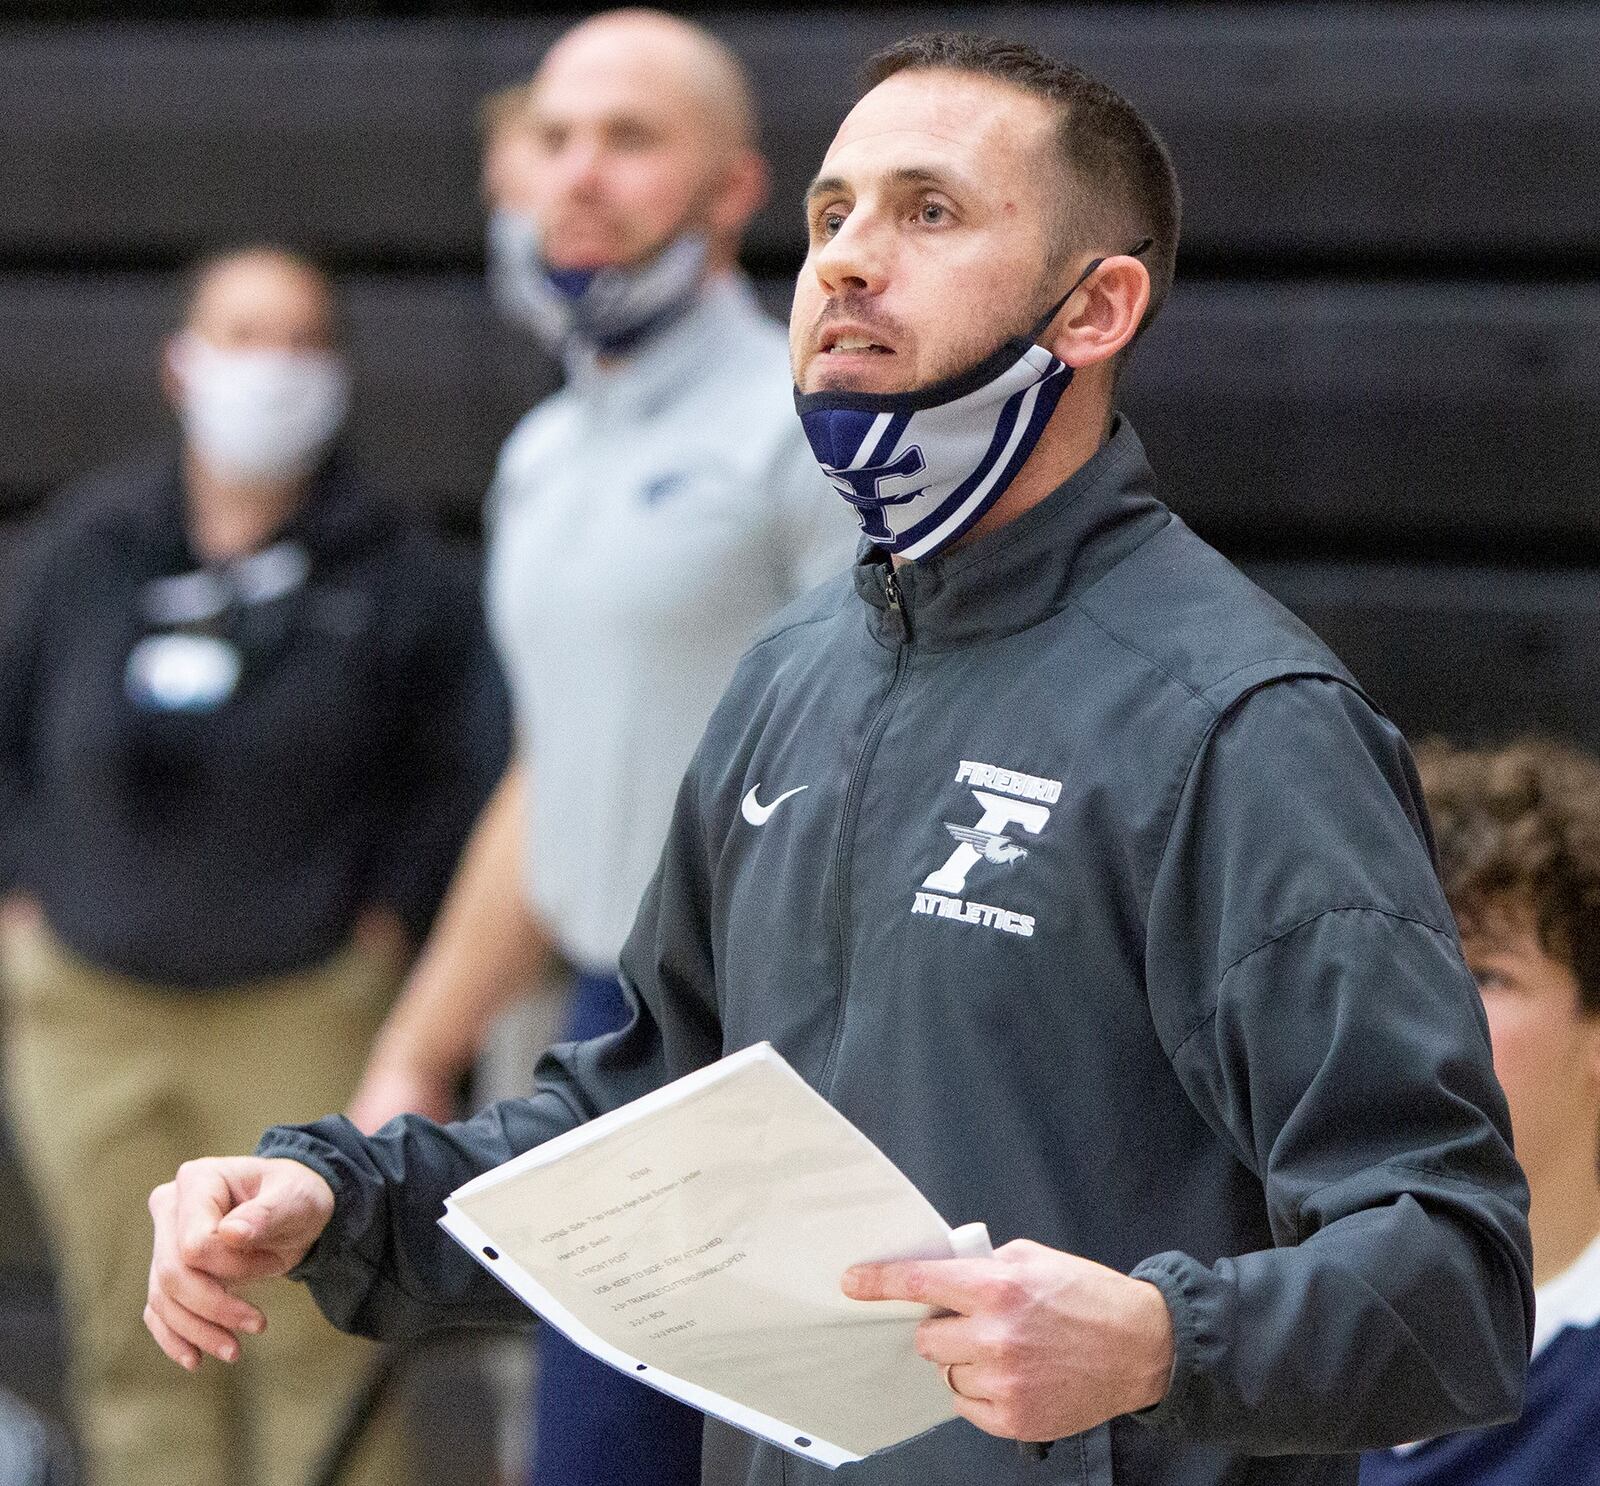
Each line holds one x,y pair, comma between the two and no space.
1103,314
743,191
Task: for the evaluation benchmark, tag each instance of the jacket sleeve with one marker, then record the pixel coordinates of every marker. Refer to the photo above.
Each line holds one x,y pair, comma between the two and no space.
1309,991
451,743
383,1267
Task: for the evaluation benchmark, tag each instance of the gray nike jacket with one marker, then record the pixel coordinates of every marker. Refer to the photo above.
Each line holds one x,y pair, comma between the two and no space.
1108,912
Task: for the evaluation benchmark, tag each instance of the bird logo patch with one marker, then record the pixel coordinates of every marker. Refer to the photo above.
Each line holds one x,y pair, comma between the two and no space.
1010,800
993,846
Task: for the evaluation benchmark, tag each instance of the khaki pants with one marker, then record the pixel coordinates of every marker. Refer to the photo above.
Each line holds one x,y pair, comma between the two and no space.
112,1083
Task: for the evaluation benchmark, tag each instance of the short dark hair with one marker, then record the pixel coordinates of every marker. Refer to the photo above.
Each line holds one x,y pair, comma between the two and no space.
1518,828
1121,185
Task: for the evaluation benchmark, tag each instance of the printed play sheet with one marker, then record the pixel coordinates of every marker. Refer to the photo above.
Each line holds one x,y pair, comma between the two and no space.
696,1237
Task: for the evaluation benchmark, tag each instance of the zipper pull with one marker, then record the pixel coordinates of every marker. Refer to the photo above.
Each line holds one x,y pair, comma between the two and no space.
897,607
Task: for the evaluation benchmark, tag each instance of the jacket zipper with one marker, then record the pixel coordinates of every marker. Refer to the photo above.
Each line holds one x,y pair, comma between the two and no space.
847,823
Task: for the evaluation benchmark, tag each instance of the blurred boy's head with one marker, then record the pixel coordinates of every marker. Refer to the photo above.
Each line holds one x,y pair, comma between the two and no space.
1518,832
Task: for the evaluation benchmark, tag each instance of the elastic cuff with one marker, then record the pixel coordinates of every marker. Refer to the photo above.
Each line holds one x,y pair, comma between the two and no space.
333,1244
1176,1277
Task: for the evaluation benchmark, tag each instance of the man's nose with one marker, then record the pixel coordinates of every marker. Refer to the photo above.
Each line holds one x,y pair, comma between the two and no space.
579,166
856,257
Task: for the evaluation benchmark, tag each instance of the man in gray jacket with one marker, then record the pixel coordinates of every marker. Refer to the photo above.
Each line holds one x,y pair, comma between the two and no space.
1071,868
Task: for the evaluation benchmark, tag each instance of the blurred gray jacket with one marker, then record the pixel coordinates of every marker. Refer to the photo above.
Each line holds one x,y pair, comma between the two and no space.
645,524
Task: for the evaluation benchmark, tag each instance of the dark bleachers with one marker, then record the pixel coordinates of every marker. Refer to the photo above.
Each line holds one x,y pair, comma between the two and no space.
1468,652
1347,417
350,139
1387,131
1365,350
1383,345
1380,419
1299,131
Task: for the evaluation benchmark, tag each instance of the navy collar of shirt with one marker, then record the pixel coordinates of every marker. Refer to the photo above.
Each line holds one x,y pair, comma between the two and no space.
645,383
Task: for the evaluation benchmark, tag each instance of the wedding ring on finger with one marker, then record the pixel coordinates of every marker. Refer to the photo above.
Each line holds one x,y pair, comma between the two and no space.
950,1382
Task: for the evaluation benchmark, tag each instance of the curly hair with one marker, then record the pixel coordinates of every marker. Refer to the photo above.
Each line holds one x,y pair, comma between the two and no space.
1519,827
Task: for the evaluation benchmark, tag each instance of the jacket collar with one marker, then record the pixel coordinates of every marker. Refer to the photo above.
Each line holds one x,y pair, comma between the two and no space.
1012,578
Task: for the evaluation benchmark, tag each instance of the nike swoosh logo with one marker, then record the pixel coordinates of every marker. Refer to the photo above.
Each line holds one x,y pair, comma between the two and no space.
758,814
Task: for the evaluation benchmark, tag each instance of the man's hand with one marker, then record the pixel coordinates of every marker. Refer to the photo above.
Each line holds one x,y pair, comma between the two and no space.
219,1223
1040,1344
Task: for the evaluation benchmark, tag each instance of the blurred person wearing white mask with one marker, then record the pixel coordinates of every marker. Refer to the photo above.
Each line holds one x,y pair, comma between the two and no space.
645,523
247,714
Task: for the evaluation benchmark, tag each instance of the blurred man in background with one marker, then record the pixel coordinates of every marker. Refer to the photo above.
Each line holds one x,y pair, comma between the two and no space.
242,737
1518,832
644,523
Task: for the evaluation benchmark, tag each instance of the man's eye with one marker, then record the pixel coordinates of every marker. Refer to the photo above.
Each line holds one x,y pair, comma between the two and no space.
932,213
828,223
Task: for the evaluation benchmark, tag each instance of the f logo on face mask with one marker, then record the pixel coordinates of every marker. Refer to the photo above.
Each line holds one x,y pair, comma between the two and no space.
861,487
987,841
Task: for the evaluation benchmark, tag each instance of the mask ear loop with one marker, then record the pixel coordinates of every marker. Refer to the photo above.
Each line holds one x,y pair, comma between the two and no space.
1135,251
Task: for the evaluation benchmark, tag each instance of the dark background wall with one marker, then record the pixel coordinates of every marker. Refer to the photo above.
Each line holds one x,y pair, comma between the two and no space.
1379,379
1378,384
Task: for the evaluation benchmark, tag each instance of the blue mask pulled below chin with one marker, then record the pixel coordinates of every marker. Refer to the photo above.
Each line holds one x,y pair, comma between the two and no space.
608,310
922,467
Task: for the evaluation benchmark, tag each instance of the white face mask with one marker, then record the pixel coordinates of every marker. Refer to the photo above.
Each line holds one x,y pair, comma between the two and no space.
258,414
610,310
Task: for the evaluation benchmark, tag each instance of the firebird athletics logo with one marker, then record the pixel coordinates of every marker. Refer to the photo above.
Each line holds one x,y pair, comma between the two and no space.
863,488
1011,800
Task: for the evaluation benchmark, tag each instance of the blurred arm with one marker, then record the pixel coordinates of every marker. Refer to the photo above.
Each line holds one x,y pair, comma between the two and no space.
383,1267
451,745
485,950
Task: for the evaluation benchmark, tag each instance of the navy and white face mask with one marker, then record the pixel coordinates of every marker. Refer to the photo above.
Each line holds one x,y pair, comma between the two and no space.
922,467
609,310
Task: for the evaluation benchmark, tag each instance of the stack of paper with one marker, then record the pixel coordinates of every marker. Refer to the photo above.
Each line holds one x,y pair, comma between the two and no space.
696,1238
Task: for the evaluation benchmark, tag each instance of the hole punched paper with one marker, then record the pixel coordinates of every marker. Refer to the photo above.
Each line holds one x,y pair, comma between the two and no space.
695,1239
